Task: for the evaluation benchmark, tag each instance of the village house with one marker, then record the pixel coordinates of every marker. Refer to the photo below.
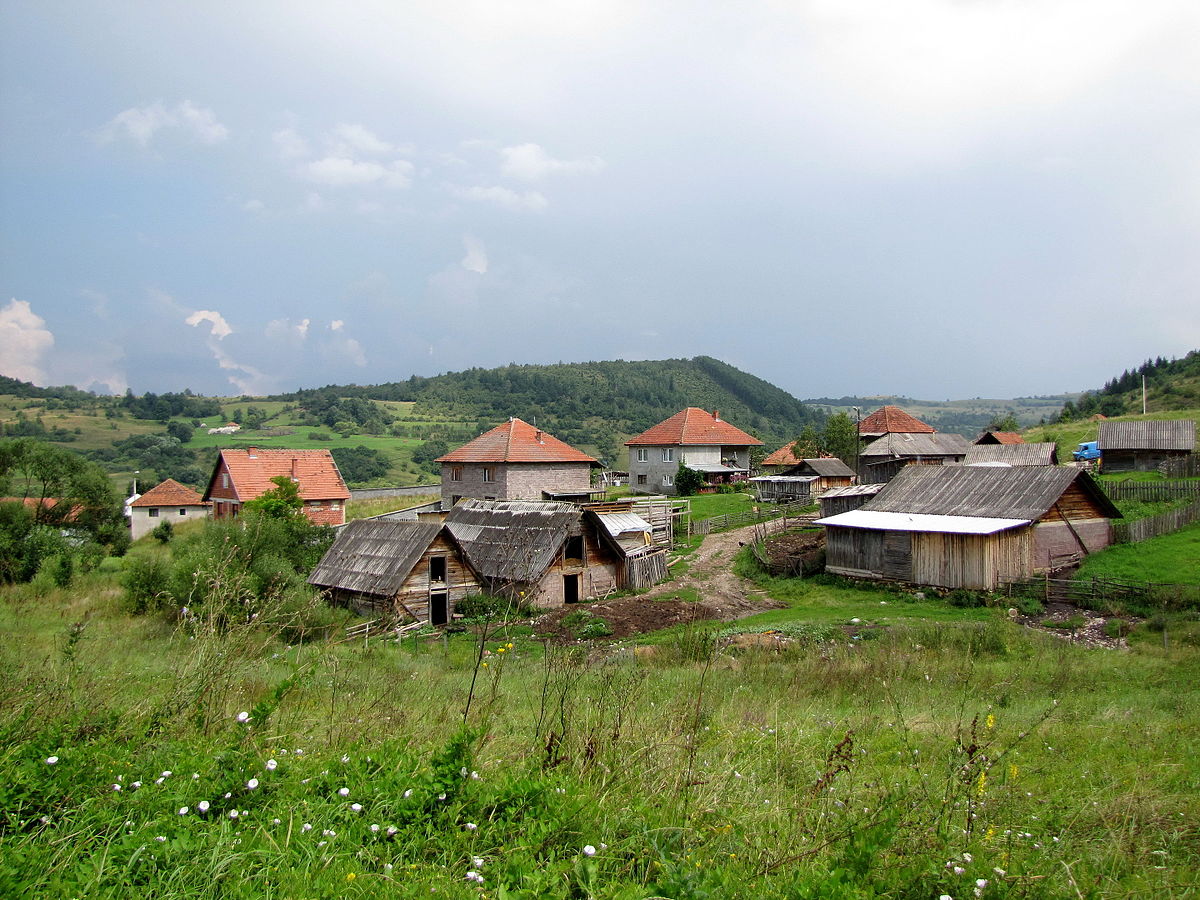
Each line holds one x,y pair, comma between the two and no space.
516,461
700,440
891,420
885,456
971,527
409,570
1144,446
1000,437
167,502
781,460
808,479
242,475
1020,454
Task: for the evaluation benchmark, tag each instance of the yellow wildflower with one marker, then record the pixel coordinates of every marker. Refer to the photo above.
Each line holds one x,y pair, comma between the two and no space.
982,785
991,721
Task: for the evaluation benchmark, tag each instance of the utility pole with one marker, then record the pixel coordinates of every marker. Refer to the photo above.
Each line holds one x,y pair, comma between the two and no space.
857,439
1143,395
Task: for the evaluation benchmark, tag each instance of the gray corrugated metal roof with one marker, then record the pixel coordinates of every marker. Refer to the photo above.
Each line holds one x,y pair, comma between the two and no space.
1024,492
891,521
512,540
825,466
620,523
1175,434
854,490
906,444
374,556
786,479
1041,454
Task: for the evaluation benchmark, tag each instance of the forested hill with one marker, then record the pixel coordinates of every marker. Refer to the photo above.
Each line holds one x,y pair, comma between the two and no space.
1171,384
591,403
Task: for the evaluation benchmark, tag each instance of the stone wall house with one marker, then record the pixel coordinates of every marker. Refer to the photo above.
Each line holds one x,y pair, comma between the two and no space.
695,437
242,475
516,461
167,502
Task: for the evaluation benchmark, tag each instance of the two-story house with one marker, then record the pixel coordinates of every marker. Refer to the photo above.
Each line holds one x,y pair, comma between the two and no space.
242,475
700,440
516,461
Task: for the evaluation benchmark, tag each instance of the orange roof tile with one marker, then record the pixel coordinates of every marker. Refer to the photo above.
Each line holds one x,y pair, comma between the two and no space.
784,456
251,471
893,420
169,493
693,427
516,441
1008,437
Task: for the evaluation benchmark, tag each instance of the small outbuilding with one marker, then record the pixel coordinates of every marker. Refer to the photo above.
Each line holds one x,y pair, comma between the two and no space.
884,457
167,502
971,527
1040,454
1143,446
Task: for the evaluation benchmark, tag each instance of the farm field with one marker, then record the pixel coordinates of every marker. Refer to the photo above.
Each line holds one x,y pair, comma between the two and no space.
950,752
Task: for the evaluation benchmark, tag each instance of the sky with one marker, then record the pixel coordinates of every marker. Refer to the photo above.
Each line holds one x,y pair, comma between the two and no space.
936,198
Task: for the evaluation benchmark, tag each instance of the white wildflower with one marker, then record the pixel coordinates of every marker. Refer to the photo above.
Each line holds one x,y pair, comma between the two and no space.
243,716
233,814
470,826
375,828
252,783
271,764
160,838
51,760
116,787
589,850
306,827
345,792
407,794
183,810
357,807
202,806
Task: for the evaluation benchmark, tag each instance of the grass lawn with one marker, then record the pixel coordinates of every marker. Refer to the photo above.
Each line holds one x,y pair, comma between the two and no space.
1168,559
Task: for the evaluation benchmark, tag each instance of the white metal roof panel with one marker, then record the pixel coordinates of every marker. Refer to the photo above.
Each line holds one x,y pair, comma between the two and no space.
891,521
622,523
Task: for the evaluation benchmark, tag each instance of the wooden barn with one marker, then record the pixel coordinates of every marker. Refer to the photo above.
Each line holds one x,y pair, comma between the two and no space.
1039,454
1143,446
885,456
806,480
844,499
784,488
546,550
971,527
393,568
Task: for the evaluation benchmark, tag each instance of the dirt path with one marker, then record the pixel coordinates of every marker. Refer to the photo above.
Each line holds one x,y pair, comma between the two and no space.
723,595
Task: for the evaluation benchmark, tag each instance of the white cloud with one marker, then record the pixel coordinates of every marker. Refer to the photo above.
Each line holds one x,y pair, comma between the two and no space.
340,348
529,162
220,328
337,325
290,144
140,124
356,138
476,259
342,171
291,333
505,197
23,342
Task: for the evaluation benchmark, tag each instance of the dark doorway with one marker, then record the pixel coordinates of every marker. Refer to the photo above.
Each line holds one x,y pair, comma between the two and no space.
439,608
437,569
571,588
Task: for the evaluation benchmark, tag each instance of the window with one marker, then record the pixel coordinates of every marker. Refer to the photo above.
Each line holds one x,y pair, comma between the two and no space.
182,511
668,481
643,454
489,474
456,473
153,512
437,569
574,548
668,454
641,479
224,479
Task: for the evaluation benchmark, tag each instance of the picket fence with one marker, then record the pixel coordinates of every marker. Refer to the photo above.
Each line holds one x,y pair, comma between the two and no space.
1153,526
1152,491
758,514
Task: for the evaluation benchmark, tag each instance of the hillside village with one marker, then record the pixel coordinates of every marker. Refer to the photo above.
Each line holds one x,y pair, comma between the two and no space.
529,615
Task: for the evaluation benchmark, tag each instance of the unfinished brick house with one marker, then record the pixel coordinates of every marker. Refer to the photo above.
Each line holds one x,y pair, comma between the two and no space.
516,461
242,475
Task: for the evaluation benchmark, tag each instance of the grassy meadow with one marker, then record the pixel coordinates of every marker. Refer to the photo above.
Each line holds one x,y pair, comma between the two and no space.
948,753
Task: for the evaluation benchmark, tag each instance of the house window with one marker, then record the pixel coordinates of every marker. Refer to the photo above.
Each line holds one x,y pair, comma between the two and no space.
437,569
574,549
489,474
641,479
224,479
643,454
668,481
153,512
182,511
668,454
456,473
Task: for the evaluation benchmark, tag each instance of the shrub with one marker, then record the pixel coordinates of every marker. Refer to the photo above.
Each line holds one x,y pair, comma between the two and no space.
163,533
146,582
486,608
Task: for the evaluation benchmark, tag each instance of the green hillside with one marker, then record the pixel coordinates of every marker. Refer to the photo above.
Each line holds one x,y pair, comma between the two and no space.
1171,385
965,417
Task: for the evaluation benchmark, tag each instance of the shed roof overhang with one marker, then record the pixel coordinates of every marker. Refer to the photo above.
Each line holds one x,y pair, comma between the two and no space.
892,521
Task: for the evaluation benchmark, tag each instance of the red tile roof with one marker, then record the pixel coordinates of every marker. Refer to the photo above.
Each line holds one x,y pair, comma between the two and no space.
169,493
893,420
516,441
784,456
694,427
1008,437
251,471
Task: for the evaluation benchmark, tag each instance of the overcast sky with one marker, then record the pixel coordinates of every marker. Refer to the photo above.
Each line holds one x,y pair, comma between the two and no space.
932,198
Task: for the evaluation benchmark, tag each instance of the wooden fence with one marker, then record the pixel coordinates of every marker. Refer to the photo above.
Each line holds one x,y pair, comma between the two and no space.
1151,491
644,570
1153,526
1181,467
1099,593
734,520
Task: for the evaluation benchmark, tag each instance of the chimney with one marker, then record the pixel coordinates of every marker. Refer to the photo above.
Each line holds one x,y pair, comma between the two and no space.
717,415
252,452
294,462
538,437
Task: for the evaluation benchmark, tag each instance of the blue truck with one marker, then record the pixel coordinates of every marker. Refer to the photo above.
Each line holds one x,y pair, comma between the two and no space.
1088,450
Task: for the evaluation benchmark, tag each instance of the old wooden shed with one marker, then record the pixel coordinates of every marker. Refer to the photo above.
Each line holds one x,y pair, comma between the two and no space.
1143,446
1039,454
971,527
887,455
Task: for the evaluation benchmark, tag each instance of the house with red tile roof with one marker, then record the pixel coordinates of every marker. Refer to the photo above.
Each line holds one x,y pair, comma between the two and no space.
516,461
242,475
167,502
892,420
1000,437
699,439
783,458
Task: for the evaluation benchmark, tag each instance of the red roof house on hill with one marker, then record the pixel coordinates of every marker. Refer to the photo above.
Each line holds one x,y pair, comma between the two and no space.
166,502
783,458
699,439
516,461
242,475
892,420
1000,437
